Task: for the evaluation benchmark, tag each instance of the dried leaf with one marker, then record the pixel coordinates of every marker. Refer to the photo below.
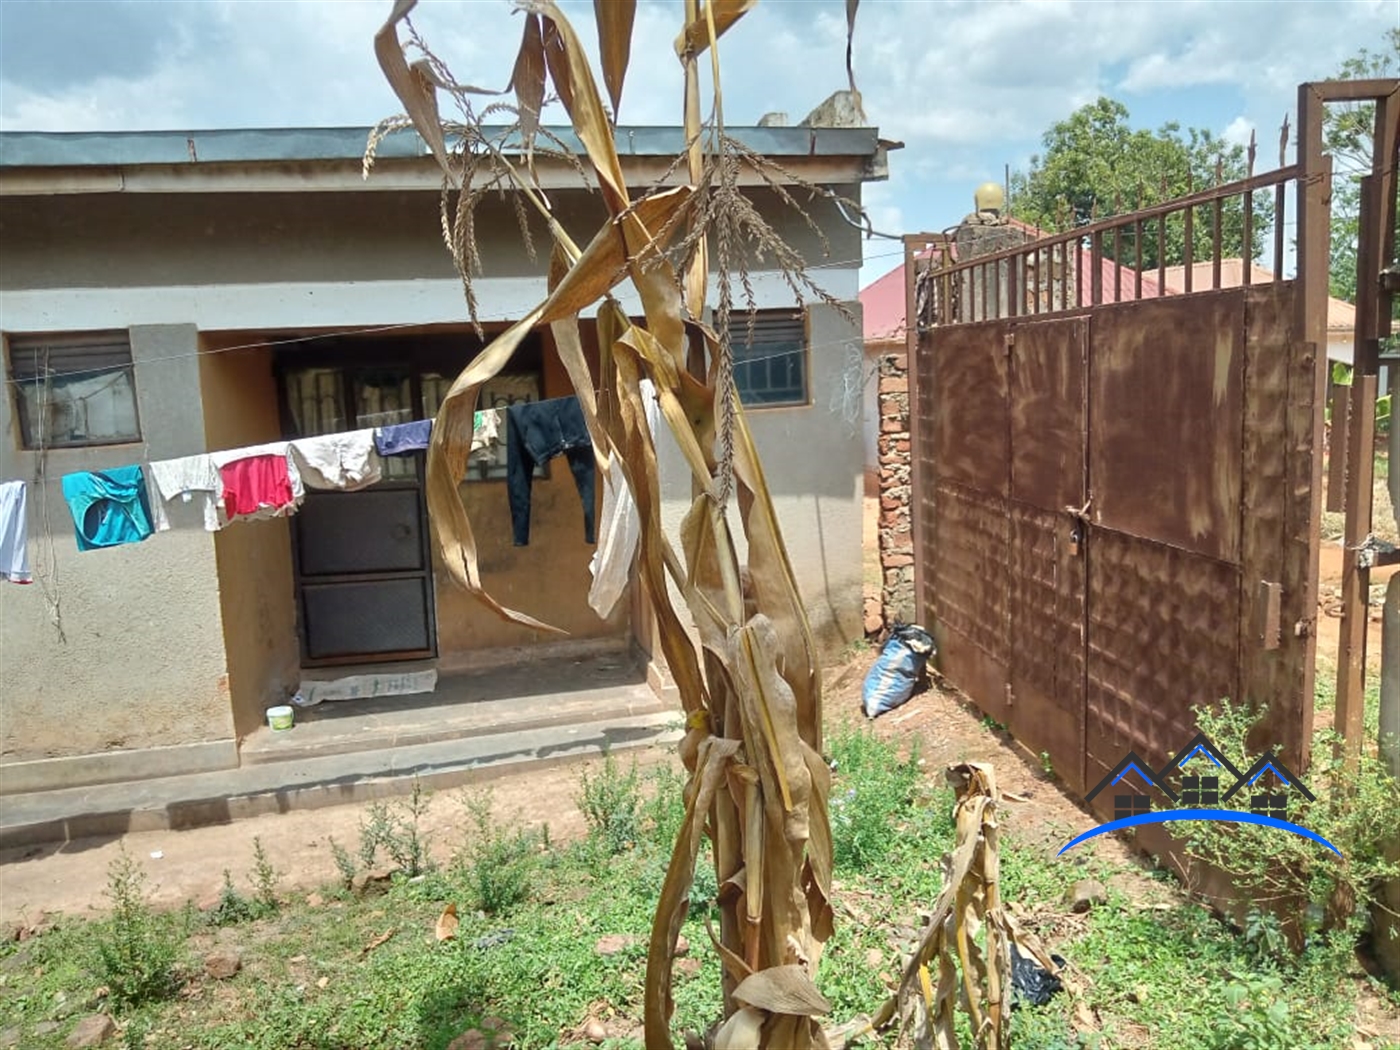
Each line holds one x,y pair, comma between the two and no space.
695,38
527,80
615,19
851,6
447,924
783,990
383,938
414,89
742,1031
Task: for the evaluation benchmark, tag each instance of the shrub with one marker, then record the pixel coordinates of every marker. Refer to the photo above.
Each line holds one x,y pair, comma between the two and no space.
232,907
137,951
396,829
496,865
611,802
1354,810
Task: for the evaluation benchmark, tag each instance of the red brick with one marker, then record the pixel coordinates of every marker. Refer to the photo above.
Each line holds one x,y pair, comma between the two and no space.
890,425
894,384
902,446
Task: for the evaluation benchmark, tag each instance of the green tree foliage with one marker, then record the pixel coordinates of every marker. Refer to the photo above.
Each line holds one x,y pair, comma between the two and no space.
1348,132
1096,165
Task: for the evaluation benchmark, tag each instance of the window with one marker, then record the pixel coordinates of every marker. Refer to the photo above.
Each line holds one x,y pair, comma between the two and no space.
770,367
1130,806
1270,804
1200,791
74,390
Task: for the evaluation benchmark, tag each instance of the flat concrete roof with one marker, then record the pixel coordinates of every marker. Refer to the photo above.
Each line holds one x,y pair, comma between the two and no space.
78,149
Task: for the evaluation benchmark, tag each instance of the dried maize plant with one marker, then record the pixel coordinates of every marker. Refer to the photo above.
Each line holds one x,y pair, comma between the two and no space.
963,959
757,784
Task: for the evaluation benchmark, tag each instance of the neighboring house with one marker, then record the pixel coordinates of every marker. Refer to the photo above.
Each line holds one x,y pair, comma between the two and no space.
238,287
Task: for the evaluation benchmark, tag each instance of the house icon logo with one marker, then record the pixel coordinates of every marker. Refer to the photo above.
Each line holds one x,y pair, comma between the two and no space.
1142,795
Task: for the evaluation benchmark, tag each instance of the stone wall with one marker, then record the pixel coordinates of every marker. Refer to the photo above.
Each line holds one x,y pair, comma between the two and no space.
895,524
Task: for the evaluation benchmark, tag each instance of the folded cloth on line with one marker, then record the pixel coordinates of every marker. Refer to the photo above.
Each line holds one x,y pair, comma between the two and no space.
403,438
486,429
256,486
109,507
169,479
14,533
338,461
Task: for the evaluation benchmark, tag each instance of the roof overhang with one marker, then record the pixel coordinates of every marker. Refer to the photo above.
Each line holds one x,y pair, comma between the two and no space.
283,160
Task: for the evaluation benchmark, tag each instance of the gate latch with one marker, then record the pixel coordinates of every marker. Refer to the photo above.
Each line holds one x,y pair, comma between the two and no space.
1077,531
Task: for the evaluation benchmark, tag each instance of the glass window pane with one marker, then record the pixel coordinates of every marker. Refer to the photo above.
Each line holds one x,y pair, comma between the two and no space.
88,409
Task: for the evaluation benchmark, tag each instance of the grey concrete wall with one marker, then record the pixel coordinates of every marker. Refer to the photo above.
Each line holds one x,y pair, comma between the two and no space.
122,648
139,240
812,457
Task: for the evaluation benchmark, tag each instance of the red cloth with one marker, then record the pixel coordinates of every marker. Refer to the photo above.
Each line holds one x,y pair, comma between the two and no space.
256,482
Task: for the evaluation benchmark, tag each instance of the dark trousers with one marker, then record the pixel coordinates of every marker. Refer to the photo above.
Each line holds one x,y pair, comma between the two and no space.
536,432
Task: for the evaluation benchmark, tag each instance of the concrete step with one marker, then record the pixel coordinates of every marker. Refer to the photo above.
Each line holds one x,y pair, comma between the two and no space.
309,780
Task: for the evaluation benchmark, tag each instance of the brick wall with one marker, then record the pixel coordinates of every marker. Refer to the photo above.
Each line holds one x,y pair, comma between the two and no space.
895,526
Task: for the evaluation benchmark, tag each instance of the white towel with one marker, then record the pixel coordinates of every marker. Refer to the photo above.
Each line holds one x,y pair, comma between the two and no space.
14,533
339,461
169,479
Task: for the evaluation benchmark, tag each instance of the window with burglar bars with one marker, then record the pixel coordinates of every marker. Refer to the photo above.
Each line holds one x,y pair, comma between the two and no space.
770,363
74,390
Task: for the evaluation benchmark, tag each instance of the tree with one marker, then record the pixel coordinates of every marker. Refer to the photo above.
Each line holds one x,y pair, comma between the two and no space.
1348,133
1096,165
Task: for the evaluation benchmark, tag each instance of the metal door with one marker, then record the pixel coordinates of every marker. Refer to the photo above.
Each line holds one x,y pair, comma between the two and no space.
363,572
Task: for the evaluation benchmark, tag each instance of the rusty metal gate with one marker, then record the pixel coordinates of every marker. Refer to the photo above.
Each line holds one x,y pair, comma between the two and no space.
1115,480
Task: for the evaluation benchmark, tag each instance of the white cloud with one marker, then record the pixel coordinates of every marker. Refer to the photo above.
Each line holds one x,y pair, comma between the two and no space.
967,86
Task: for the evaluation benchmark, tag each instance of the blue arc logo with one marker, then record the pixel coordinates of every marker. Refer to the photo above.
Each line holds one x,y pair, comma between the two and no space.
1197,796
1231,816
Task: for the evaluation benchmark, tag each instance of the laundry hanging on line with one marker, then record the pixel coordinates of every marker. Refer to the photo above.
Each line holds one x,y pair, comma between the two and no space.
14,533
170,479
347,461
261,481
536,432
109,507
402,439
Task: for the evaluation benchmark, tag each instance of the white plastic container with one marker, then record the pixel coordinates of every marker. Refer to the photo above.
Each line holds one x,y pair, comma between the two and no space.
279,718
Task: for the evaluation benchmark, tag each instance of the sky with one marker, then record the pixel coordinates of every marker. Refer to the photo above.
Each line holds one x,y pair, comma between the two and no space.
968,87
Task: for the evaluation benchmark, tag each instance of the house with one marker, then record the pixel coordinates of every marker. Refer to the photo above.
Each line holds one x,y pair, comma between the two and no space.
1263,801
234,287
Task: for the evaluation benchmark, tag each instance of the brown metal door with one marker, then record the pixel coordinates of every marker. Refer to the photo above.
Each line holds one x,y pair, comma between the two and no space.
1049,428
363,572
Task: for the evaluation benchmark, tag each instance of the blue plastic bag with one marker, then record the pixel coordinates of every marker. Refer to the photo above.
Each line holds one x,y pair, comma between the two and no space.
891,681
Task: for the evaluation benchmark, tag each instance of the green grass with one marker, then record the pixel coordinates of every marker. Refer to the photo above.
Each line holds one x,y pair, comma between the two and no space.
1167,972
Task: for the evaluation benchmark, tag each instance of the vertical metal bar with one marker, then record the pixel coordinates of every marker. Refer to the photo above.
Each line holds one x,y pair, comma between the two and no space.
1137,257
1162,253
1280,202
998,286
1247,237
1078,272
1337,449
1096,264
1117,264
1188,248
1314,227
1217,215
1013,284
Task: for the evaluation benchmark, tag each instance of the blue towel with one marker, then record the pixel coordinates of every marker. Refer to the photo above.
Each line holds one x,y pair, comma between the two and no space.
403,438
109,506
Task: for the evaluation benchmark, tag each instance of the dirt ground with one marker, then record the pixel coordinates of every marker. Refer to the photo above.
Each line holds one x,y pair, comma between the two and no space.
189,865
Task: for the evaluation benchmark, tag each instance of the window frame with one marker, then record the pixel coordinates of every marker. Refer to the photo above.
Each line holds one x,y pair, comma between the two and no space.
19,343
771,318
